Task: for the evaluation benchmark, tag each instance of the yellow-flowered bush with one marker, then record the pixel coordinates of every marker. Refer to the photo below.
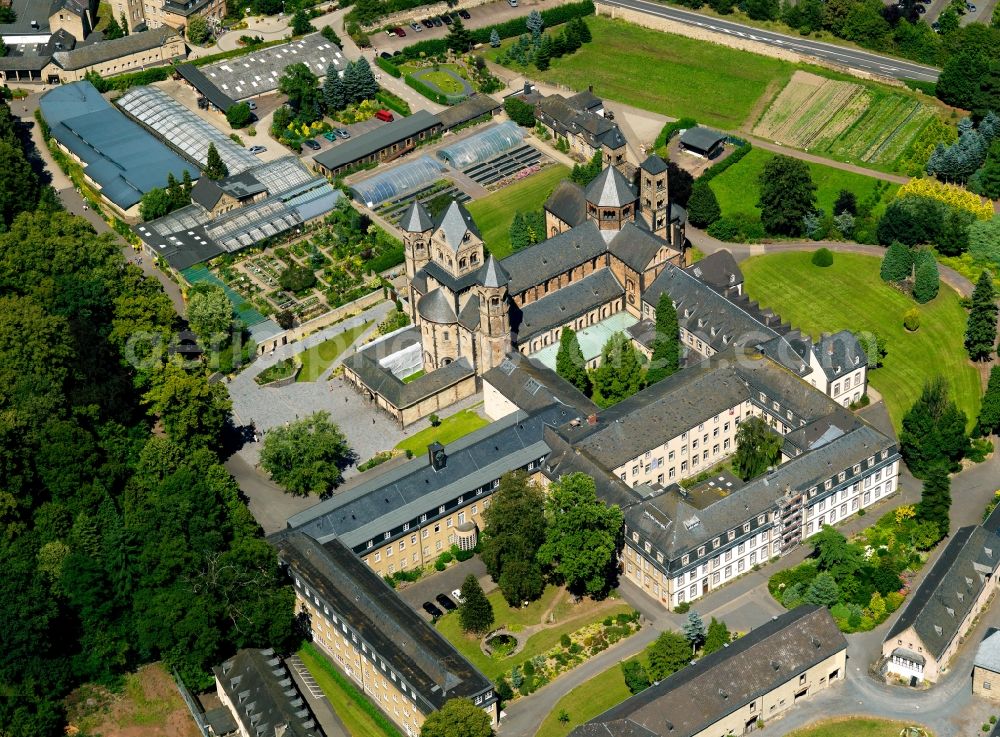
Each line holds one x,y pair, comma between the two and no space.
950,194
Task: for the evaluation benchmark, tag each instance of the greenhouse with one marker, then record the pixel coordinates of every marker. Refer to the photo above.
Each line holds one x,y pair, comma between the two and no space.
483,146
396,181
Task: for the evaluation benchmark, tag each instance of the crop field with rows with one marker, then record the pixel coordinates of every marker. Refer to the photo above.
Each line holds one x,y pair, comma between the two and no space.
847,121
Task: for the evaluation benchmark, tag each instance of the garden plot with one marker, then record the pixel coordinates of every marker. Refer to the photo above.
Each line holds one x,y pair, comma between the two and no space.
845,120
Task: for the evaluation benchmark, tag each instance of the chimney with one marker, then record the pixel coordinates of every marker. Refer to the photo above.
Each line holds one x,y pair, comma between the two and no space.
527,87
591,419
436,455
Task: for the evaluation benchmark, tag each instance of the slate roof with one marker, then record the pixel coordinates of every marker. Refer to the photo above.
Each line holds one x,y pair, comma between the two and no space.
453,223
701,138
653,165
205,86
947,594
494,275
610,189
840,353
719,270
468,316
108,50
585,100
469,109
575,116
381,381
416,219
206,193
530,385
988,654
696,697
566,304
387,501
367,144
436,307
553,256
456,284
636,247
421,657
264,696
567,202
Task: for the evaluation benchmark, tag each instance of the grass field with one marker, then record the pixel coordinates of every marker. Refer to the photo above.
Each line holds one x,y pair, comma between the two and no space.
847,121
344,696
450,429
853,727
737,188
851,295
568,619
319,358
495,213
586,701
679,76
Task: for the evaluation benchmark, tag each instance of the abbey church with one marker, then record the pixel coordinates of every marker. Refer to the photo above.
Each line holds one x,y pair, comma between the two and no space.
607,244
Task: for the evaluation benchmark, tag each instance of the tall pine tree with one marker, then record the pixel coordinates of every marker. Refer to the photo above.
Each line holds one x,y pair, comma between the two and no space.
475,614
935,499
989,412
215,167
933,431
667,343
926,281
897,263
334,94
981,330
570,363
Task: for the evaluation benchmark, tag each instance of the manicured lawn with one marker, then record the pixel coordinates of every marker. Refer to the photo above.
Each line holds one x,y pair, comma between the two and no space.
452,428
578,616
495,213
737,188
318,359
854,727
850,295
586,701
338,689
668,74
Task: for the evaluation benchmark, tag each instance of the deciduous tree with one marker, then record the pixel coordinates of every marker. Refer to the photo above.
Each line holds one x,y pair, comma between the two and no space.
757,448
668,654
570,363
307,456
581,535
239,115
457,718
787,195
703,207
512,534
209,311
620,374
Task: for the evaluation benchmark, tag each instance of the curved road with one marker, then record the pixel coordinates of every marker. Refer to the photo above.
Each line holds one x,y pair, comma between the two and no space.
843,55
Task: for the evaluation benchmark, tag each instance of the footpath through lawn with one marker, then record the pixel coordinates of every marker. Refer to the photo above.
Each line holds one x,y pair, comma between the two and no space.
851,295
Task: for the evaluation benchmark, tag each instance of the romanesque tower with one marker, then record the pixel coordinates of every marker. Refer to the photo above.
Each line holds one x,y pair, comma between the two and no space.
654,195
494,316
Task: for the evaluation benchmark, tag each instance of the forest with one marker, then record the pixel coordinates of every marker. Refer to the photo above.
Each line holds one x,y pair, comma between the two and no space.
123,539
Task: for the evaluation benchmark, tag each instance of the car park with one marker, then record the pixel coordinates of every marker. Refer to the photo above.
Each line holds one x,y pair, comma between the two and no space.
311,143
399,32
330,136
431,609
457,596
416,27
341,133
258,149
437,22
446,19
464,14
384,115
428,23
446,602
970,7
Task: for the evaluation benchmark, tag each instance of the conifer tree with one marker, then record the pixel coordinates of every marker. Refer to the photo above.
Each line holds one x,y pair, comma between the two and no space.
518,233
989,412
926,281
583,30
620,374
897,263
534,23
475,613
570,362
703,207
933,431
543,56
215,167
559,46
718,636
694,630
935,499
981,330
494,38
667,343
823,591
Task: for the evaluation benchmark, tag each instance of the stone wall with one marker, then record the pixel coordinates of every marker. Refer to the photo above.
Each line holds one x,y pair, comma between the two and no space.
308,328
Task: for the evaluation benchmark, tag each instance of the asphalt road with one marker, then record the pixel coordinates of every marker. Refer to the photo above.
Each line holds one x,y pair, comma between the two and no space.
842,55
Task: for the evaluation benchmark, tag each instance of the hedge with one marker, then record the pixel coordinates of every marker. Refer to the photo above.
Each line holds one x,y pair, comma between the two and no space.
394,103
222,55
385,260
671,129
124,82
387,66
426,91
734,158
509,29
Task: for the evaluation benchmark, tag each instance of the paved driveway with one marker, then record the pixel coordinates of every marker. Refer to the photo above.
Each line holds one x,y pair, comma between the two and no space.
444,582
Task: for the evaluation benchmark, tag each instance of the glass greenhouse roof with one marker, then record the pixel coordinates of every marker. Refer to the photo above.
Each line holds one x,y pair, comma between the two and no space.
482,146
183,129
397,180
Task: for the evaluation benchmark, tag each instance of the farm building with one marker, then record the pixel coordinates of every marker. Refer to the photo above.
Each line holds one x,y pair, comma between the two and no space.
385,143
703,142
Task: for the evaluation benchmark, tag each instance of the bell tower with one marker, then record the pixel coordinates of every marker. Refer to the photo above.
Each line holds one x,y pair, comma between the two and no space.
416,226
611,202
494,316
654,195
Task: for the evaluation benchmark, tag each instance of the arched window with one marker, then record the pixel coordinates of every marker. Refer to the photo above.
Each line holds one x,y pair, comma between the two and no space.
462,264
495,301
474,258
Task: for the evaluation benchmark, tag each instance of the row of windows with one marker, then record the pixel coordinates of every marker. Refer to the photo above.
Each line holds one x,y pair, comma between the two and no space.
847,384
855,471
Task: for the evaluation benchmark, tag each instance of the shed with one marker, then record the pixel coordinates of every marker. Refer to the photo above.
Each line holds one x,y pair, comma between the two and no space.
702,142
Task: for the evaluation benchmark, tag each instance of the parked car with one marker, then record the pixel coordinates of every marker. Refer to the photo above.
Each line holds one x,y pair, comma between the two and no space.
464,14
437,22
384,115
399,32
431,609
457,596
258,149
608,114
416,27
330,136
512,3
311,143
446,18
921,9
970,7
428,23
936,26
341,133
251,104
446,602
390,31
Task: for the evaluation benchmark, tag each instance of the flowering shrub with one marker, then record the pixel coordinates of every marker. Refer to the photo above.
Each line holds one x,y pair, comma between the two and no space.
950,194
